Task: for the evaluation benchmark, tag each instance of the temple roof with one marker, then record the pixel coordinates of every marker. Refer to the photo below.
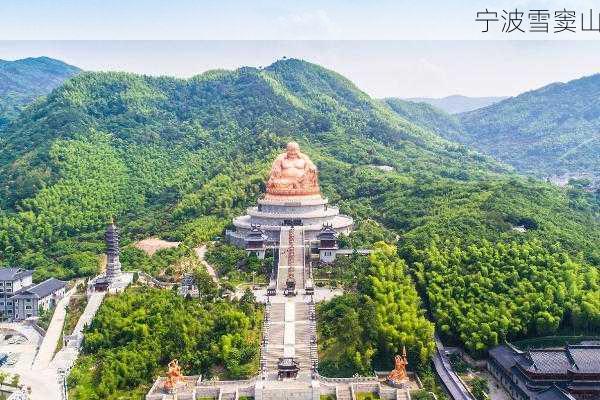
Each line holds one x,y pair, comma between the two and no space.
573,358
9,274
553,393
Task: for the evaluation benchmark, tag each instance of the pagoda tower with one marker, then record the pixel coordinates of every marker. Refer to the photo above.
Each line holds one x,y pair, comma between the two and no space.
113,264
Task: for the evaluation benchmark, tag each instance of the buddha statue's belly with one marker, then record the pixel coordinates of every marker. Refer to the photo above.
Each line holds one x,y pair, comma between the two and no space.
292,169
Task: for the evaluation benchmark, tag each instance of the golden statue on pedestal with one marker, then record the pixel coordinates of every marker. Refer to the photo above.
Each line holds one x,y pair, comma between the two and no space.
174,376
293,174
399,374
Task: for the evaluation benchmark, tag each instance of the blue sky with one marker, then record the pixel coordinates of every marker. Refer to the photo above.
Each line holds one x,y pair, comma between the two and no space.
409,48
257,19
381,68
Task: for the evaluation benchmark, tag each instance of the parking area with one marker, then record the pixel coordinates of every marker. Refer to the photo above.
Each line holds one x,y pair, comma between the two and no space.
18,346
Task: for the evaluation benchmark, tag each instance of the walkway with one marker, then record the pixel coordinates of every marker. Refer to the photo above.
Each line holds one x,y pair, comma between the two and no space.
451,381
289,329
65,358
201,253
44,376
53,333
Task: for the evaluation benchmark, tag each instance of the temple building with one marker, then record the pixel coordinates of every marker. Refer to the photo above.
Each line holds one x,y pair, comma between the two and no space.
567,373
293,198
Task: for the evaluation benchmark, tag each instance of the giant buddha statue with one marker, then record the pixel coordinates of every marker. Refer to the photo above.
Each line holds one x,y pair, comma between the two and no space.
293,174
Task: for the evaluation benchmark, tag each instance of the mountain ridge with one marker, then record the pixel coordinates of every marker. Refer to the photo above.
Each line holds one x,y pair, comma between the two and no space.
455,104
178,158
552,130
24,80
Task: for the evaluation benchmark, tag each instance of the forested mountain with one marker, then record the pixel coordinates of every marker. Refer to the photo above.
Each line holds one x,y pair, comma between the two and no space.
158,152
428,116
551,130
179,158
456,103
22,81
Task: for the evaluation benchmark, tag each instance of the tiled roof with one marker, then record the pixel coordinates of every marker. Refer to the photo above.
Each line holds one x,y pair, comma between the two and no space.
40,290
549,361
553,393
505,355
585,357
576,358
8,274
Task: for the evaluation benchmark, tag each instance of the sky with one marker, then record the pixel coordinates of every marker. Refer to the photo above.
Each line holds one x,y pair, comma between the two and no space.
397,48
266,19
380,68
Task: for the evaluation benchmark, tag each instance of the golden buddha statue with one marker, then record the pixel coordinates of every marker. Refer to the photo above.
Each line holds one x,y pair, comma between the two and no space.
174,376
399,373
293,174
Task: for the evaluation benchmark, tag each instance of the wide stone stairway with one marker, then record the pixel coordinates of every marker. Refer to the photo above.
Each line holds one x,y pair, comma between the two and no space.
289,332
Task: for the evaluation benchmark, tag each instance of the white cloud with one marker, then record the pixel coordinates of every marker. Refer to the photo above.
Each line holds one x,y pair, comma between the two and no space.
316,24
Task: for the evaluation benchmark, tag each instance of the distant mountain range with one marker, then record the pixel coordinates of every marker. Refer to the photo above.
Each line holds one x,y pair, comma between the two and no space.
22,81
457,104
553,130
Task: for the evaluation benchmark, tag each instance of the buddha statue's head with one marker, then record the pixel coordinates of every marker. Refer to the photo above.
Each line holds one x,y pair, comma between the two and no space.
293,150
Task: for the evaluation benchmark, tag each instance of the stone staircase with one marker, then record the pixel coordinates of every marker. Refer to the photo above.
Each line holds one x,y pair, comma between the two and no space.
343,392
277,312
298,260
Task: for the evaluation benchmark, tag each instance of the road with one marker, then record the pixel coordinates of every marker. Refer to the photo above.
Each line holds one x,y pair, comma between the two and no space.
442,365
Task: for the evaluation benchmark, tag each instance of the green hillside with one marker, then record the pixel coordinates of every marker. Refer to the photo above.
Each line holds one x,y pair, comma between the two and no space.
428,116
22,81
551,130
180,158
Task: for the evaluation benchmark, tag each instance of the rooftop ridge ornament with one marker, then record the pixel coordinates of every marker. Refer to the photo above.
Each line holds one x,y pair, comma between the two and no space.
293,174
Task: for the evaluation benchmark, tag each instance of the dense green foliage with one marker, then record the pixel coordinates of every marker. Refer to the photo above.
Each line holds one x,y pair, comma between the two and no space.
22,81
486,293
551,130
480,388
179,158
233,264
362,329
134,336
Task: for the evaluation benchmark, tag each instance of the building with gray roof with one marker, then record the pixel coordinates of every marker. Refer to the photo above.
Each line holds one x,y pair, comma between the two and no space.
567,373
21,299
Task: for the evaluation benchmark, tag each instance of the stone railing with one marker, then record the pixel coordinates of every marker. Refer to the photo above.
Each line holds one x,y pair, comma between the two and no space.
355,379
213,383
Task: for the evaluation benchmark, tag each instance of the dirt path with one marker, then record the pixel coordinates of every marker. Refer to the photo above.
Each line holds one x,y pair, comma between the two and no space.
200,253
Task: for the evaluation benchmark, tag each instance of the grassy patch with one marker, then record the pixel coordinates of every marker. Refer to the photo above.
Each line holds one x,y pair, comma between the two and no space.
367,396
